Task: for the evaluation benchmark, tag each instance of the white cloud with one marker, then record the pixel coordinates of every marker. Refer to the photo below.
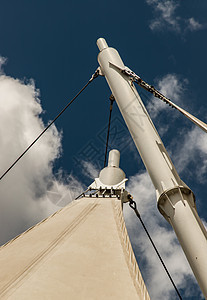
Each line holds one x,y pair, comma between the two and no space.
165,14
191,143
171,86
166,18
89,170
2,62
64,189
194,25
24,190
30,191
157,282
187,152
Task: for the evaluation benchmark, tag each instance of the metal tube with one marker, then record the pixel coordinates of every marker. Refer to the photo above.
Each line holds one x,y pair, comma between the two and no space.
102,44
175,199
114,158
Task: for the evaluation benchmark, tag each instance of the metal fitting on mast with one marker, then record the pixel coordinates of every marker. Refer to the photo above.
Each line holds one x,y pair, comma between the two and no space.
111,179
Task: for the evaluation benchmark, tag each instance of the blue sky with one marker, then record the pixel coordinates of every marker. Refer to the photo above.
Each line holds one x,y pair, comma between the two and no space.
54,44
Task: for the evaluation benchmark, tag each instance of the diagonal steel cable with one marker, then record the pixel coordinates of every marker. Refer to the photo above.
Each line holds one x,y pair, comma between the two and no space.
133,205
95,75
109,124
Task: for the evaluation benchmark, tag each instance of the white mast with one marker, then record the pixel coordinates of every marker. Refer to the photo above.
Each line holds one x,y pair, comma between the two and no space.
174,199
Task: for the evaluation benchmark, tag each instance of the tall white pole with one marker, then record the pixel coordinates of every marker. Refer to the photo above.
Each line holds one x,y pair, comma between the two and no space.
175,200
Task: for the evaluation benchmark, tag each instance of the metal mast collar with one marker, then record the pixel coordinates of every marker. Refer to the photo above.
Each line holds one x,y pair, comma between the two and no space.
111,180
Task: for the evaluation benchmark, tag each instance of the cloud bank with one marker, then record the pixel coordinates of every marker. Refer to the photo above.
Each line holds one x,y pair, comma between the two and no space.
27,191
194,146
170,86
167,19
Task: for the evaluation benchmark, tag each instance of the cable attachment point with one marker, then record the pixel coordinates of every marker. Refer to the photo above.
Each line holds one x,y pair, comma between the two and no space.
95,75
133,205
112,98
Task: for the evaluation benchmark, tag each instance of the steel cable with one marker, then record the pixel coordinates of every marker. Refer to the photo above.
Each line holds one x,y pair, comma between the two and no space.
109,124
95,75
133,205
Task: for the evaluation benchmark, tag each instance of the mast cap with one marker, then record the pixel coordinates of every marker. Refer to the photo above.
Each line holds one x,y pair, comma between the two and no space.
102,44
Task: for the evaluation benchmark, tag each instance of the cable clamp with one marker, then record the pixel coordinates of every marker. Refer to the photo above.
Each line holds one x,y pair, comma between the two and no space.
95,75
133,205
